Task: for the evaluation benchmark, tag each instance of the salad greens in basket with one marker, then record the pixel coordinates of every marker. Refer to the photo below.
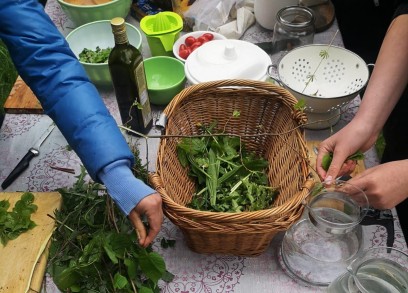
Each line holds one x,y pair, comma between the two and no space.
229,178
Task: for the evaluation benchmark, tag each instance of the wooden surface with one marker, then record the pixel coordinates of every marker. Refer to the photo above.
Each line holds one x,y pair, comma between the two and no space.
310,144
24,259
22,100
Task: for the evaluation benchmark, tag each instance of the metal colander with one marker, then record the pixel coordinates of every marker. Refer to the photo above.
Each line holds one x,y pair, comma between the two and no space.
325,77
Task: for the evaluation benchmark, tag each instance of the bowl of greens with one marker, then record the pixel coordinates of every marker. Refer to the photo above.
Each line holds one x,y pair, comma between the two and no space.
92,43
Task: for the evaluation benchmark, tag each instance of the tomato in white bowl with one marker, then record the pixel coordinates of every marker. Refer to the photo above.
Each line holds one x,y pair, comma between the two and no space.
187,43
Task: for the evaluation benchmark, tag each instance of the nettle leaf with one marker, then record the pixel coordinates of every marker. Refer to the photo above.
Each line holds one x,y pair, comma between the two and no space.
192,146
67,278
153,266
144,289
300,105
131,267
111,254
119,281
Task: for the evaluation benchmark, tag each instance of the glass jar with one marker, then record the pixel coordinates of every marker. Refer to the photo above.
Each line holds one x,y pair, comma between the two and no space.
379,269
294,27
319,247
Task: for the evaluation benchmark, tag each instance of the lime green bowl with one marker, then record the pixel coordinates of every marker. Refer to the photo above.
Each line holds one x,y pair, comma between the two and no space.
99,33
165,78
81,14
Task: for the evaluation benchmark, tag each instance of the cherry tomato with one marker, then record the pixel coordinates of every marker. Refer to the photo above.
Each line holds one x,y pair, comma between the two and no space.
189,41
182,47
195,46
202,39
208,36
184,53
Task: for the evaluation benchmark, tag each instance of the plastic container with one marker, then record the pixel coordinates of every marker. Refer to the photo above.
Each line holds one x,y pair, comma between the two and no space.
162,30
227,59
82,14
165,78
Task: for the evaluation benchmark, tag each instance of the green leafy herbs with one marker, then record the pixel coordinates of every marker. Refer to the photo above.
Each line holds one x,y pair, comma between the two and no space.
229,179
95,248
17,221
95,56
327,159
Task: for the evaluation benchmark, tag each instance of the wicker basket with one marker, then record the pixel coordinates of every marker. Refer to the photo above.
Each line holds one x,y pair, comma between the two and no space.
260,104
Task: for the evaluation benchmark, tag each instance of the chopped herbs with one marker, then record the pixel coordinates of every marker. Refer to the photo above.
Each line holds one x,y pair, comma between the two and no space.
229,179
17,221
95,56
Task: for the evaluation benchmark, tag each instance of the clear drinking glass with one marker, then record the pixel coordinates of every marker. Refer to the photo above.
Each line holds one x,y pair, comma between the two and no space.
319,247
294,27
378,269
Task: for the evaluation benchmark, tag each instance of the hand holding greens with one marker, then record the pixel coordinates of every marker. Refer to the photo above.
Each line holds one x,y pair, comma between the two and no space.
327,159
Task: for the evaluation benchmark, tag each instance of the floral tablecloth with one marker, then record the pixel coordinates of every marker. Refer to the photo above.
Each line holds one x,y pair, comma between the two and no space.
194,273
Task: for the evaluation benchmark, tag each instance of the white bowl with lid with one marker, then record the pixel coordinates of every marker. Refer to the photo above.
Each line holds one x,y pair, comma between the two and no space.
227,59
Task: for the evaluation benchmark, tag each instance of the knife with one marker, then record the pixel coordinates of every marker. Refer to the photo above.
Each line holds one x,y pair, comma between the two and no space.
24,162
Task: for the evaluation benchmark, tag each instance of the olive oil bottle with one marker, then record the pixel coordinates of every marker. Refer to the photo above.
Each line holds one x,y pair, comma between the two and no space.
129,81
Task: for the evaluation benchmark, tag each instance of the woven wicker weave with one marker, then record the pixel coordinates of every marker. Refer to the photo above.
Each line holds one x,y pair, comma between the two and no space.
264,108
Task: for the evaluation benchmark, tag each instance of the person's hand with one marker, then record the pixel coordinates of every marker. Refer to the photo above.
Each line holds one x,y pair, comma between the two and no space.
385,185
342,144
151,207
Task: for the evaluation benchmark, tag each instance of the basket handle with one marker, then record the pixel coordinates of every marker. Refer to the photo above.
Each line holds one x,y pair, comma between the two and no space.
286,97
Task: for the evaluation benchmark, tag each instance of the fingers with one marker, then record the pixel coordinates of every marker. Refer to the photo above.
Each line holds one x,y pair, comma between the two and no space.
151,207
138,225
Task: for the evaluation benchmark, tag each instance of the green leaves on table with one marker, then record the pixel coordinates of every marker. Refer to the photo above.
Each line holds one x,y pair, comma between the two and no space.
95,248
17,221
229,178
327,159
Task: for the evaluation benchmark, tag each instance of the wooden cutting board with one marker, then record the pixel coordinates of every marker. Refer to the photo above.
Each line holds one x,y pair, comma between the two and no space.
22,100
24,259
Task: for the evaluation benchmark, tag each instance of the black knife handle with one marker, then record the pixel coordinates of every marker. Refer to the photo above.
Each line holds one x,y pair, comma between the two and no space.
21,166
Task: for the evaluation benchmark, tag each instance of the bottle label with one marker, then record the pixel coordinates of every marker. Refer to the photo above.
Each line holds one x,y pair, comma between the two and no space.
143,94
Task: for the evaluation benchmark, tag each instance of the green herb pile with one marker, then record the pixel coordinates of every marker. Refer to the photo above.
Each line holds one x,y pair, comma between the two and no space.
18,220
229,179
95,56
95,248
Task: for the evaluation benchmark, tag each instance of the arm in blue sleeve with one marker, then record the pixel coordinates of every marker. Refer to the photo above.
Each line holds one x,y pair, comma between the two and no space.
122,186
48,66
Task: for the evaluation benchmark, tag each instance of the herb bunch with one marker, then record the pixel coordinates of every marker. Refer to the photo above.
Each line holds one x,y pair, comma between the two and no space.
95,56
229,178
95,248
17,221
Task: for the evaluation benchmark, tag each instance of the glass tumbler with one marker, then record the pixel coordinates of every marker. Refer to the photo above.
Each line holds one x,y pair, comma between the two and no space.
294,27
378,269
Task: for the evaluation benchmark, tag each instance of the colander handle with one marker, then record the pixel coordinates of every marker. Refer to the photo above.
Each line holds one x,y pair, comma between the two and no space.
268,71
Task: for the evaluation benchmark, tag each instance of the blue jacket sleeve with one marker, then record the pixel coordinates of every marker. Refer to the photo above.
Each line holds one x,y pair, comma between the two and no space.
46,63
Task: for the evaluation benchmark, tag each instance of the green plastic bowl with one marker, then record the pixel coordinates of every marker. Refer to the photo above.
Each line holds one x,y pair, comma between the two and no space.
99,33
81,14
165,78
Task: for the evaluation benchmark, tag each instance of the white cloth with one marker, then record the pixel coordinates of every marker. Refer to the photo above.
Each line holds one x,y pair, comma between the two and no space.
230,18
